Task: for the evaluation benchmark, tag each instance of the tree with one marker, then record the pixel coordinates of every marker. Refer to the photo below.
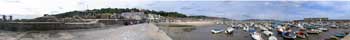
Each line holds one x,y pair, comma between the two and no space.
117,11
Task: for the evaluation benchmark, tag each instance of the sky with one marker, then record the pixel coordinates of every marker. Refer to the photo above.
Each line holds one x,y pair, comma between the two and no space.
233,9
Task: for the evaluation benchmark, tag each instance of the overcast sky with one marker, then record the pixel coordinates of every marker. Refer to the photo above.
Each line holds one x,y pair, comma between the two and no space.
281,10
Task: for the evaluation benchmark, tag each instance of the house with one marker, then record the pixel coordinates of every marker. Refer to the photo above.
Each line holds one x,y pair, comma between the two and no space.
134,15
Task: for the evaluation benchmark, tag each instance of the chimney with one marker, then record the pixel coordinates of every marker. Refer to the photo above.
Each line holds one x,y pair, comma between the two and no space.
10,18
4,17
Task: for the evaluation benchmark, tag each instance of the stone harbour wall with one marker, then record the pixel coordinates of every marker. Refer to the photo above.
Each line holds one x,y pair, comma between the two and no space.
46,26
18,26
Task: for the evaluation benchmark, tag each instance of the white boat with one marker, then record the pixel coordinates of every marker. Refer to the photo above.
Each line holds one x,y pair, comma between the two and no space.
216,30
270,28
246,28
333,26
314,31
323,29
229,30
272,38
263,28
300,26
267,32
256,36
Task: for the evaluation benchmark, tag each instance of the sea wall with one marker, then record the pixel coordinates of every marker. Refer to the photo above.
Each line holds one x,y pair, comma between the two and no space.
93,23
18,26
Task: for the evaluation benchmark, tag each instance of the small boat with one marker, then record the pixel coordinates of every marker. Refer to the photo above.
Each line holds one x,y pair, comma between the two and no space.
333,26
267,32
280,30
311,27
217,30
256,36
251,30
340,35
246,28
300,26
263,28
314,31
229,30
289,35
301,34
272,38
323,29
270,28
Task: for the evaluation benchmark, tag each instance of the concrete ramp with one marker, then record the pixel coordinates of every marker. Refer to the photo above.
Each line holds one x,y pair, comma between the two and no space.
133,32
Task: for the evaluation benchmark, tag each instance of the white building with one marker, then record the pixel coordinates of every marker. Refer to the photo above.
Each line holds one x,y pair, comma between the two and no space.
134,15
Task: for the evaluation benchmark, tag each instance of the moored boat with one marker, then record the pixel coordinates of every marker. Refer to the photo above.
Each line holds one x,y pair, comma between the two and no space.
267,32
302,34
289,35
340,35
256,36
323,29
216,30
229,30
314,31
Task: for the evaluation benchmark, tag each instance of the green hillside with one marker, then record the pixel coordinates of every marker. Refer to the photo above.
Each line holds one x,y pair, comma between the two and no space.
117,10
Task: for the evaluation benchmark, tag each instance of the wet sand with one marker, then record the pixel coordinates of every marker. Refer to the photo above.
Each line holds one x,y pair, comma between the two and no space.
202,32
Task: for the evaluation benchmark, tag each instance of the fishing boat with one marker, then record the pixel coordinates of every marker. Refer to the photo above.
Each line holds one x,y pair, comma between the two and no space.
229,30
216,30
256,36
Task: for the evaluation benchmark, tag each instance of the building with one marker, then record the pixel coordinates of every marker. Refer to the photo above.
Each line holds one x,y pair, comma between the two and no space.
134,15
311,20
315,19
6,18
